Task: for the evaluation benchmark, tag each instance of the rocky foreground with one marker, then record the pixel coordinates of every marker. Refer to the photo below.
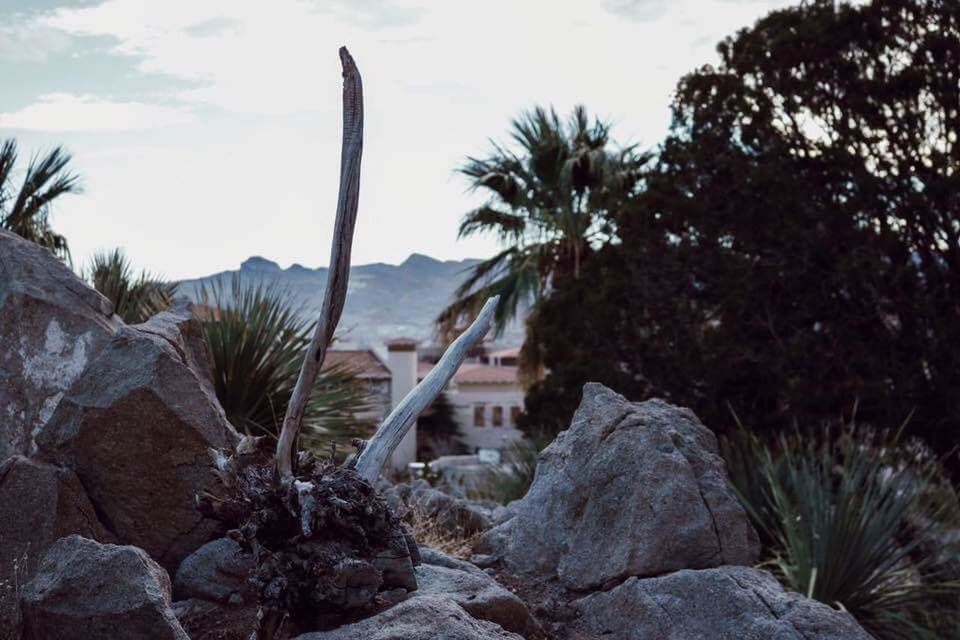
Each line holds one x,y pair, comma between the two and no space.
630,530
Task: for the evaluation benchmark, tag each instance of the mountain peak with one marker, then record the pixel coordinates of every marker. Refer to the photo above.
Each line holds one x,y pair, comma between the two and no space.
417,260
259,263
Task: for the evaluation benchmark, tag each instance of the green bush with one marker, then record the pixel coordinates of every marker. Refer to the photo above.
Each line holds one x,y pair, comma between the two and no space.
849,517
135,297
513,479
257,341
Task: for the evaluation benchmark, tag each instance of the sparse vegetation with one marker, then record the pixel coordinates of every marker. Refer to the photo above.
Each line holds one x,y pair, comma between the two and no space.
849,517
513,479
135,297
25,211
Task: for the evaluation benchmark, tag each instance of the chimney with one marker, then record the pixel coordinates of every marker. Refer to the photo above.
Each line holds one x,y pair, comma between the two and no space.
402,361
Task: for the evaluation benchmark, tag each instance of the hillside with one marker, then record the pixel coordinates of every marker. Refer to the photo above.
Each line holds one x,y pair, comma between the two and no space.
384,301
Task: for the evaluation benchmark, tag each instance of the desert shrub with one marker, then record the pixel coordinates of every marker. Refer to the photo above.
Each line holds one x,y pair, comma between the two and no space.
845,515
513,479
257,340
135,297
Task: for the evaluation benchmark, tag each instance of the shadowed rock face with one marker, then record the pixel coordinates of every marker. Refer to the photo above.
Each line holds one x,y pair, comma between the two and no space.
631,489
51,326
726,603
136,427
85,590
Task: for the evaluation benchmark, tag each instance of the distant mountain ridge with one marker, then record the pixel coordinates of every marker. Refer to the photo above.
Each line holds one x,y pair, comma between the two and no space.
384,301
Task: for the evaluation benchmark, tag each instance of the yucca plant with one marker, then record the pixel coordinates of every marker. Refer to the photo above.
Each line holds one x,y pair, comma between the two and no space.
257,340
512,481
135,297
833,510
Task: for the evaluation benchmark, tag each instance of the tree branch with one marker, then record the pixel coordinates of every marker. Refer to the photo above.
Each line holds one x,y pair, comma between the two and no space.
391,432
337,277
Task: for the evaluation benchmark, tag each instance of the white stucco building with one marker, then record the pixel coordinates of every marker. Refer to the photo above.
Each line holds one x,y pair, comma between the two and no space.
485,393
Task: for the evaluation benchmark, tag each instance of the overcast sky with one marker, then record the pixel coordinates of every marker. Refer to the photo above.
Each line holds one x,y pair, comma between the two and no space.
208,130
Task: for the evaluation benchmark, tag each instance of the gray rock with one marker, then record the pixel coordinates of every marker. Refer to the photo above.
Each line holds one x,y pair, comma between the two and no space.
206,620
84,590
725,603
446,512
423,618
39,504
631,489
436,558
479,595
217,571
51,326
137,427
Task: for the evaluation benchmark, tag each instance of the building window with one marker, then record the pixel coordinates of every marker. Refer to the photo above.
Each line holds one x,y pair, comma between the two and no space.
479,417
514,415
498,416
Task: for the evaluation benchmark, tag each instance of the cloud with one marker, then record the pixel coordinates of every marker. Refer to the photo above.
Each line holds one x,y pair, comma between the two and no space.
638,10
69,112
30,41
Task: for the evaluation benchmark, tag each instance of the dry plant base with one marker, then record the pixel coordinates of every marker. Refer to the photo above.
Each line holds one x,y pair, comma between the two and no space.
324,545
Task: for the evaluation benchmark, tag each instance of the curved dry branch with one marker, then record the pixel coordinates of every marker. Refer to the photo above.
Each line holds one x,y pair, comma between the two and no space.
337,277
391,432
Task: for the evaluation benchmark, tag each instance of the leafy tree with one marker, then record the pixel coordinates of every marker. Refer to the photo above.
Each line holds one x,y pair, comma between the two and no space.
25,211
257,342
134,298
796,248
550,194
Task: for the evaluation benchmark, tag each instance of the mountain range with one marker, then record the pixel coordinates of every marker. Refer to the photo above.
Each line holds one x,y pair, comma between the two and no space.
383,301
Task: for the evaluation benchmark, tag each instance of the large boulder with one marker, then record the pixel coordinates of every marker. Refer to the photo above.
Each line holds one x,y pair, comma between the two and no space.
51,326
217,572
479,595
425,618
137,427
725,603
631,489
39,504
84,590
206,620
449,514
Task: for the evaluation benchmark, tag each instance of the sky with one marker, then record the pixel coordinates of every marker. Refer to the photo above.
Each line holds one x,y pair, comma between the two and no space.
207,131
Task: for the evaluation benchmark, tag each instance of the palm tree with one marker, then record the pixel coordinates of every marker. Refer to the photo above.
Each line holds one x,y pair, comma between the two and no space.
26,212
257,343
134,298
551,196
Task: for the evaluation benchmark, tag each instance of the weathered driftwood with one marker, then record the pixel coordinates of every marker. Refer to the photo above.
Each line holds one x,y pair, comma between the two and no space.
339,273
391,432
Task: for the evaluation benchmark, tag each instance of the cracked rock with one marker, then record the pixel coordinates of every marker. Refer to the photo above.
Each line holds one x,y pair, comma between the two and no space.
631,489
136,427
725,603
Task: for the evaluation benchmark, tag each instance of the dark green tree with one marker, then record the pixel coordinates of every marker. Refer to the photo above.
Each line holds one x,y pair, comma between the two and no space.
25,210
437,431
551,192
796,249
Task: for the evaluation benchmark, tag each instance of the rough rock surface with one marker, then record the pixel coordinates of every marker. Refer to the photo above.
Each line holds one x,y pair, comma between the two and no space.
137,427
218,572
479,595
51,326
205,620
436,558
425,618
725,603
445,511
84,590
631,489
39,504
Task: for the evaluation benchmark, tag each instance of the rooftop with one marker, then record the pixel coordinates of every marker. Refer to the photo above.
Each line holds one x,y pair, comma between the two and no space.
362,362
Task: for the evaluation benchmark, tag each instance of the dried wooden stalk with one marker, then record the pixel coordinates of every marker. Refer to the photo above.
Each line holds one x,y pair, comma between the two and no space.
339,273
391,432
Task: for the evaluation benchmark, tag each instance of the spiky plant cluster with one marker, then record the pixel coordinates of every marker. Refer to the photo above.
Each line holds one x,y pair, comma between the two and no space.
135,298
324,545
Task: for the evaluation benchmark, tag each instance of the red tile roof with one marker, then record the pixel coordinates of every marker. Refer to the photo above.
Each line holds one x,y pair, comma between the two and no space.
363,362
474,373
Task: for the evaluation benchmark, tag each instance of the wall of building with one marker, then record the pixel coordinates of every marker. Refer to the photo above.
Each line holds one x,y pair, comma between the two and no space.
467,398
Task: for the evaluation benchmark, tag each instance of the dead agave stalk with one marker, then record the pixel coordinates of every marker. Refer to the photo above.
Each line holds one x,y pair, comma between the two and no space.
391,432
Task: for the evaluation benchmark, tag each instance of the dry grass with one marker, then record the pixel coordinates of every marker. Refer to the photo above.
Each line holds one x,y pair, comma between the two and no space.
429,533
10,586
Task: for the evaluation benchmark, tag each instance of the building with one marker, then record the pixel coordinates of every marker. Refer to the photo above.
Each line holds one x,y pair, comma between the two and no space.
486,393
